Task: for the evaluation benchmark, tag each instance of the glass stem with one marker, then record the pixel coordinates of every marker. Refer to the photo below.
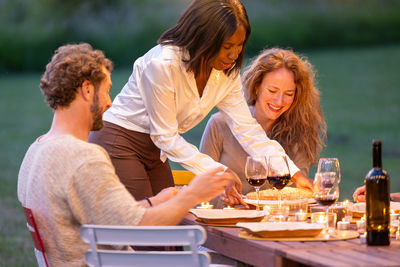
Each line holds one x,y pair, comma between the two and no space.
279,201
258,198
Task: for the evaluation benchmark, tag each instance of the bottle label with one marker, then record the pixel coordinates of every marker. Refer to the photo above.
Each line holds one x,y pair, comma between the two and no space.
377,177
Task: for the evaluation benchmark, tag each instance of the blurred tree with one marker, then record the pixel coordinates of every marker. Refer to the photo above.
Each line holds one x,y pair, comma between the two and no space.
125,29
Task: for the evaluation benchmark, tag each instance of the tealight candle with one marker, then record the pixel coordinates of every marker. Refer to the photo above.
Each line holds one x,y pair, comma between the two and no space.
361,226
343,225
228,208
205,205
393,216
363,238
300,216
398,234
347,219
322,219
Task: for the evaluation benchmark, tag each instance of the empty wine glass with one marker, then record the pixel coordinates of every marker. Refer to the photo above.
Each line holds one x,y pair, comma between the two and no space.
278,175
256,174
327,165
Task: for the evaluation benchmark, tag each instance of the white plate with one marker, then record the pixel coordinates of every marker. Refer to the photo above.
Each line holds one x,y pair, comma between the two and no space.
360,207
282,229
274,202
226,213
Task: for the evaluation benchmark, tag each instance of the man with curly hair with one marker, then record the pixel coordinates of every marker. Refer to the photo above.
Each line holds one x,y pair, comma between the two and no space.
67,182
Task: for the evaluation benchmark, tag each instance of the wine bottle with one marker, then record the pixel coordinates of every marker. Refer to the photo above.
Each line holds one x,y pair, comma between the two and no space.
378,200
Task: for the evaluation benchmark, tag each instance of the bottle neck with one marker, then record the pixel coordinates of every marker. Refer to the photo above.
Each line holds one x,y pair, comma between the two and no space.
377,156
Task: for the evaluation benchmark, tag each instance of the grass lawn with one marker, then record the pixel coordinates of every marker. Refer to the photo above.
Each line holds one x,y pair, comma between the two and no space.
360,100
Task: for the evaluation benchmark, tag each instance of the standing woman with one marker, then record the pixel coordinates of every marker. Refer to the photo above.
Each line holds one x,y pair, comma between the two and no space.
194,67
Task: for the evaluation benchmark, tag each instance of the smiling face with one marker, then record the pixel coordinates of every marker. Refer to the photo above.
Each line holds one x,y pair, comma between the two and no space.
230,50
275,96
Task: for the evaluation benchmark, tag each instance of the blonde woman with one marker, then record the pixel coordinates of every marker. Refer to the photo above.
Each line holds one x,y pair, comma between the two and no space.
280,91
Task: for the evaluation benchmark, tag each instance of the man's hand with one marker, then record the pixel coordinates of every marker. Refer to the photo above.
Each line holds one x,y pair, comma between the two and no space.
395,197
210,184
359,194
164,195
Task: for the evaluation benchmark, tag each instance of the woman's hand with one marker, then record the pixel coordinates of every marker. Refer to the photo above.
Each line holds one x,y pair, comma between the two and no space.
233,193
302,181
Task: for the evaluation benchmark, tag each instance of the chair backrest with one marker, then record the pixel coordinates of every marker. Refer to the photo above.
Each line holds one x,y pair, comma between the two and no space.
39,250
182,177
191,236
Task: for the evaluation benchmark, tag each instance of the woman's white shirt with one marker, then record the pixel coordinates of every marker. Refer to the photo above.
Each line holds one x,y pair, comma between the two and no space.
161,99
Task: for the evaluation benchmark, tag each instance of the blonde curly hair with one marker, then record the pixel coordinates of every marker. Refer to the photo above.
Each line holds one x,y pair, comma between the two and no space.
301,130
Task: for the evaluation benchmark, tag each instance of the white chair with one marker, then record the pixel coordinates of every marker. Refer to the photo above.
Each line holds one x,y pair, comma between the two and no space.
190,236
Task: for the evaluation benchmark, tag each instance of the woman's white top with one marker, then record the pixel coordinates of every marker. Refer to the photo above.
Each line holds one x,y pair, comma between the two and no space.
161,99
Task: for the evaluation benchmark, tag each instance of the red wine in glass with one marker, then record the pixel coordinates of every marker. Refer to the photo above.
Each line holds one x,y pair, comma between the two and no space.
278,176
257,181
256,172
326,200
279,181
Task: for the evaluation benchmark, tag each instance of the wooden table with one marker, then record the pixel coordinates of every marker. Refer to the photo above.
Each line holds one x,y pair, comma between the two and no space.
225,240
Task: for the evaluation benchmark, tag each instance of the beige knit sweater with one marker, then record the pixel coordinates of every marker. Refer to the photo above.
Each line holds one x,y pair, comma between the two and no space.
68,182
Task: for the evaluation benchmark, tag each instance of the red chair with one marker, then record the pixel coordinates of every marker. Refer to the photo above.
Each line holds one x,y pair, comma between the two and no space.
40,252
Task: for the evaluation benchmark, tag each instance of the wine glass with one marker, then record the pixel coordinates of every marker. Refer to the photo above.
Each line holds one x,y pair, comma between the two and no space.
327,165
278,175
256,174
326,188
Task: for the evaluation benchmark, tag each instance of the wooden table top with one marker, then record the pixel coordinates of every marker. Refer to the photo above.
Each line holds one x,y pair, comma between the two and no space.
226,241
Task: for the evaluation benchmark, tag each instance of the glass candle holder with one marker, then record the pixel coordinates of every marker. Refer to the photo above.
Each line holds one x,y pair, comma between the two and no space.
339,209
348,207
276,214
297,205
328,219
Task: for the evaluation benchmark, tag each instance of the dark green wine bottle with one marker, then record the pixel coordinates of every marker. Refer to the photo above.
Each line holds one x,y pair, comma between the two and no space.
378,200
